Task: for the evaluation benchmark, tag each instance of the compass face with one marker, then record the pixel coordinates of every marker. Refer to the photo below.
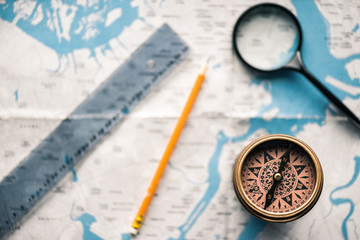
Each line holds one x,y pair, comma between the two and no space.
278,177
292,191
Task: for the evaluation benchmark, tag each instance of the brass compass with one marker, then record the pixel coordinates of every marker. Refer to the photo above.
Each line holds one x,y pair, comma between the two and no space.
278,178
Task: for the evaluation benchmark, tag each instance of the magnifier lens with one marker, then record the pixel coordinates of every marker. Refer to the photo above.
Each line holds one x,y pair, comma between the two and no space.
267,37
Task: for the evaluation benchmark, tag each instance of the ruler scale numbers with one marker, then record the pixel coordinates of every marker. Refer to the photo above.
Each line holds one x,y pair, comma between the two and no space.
43,168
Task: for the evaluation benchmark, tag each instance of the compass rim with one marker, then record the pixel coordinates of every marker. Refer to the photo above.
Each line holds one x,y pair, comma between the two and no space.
267,215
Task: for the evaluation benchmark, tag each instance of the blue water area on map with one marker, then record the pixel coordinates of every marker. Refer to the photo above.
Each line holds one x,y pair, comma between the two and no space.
340,201
16,94
125,236
355,28
88,29
72,169
216,66
315,48
75,178
86,221
292,95
252,228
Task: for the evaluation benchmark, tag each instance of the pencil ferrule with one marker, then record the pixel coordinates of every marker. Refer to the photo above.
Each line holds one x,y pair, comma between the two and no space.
137,221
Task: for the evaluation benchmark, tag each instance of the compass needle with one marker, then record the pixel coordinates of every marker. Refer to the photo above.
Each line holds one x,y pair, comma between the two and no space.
277,177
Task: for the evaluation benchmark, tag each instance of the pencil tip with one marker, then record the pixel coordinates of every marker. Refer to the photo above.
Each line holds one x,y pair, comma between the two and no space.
204,68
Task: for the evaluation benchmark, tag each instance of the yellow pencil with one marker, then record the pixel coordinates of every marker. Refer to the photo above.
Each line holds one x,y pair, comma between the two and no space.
169,148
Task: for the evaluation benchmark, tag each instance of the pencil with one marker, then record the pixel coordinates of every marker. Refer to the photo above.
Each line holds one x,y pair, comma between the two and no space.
169,148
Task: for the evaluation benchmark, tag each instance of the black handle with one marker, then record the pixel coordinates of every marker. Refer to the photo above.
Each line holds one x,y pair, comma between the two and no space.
329,95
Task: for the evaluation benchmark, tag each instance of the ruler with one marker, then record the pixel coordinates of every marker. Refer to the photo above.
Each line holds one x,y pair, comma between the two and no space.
75,136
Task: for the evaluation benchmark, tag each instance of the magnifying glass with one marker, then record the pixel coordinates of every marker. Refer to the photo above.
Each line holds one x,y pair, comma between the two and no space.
267,38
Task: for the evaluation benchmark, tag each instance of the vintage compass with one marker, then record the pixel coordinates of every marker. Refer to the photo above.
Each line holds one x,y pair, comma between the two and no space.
278,178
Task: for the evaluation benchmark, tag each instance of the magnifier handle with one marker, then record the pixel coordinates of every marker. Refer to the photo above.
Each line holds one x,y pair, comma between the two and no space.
331,97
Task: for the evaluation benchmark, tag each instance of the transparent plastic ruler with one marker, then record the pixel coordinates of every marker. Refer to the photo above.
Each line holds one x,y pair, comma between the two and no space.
87,125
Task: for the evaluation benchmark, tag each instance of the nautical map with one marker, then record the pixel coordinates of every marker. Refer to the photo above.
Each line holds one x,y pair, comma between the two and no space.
56,53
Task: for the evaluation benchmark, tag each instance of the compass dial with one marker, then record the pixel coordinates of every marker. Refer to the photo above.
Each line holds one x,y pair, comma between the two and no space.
278,178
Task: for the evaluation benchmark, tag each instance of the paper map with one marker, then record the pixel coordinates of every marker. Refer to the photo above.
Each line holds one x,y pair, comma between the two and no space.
55,53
